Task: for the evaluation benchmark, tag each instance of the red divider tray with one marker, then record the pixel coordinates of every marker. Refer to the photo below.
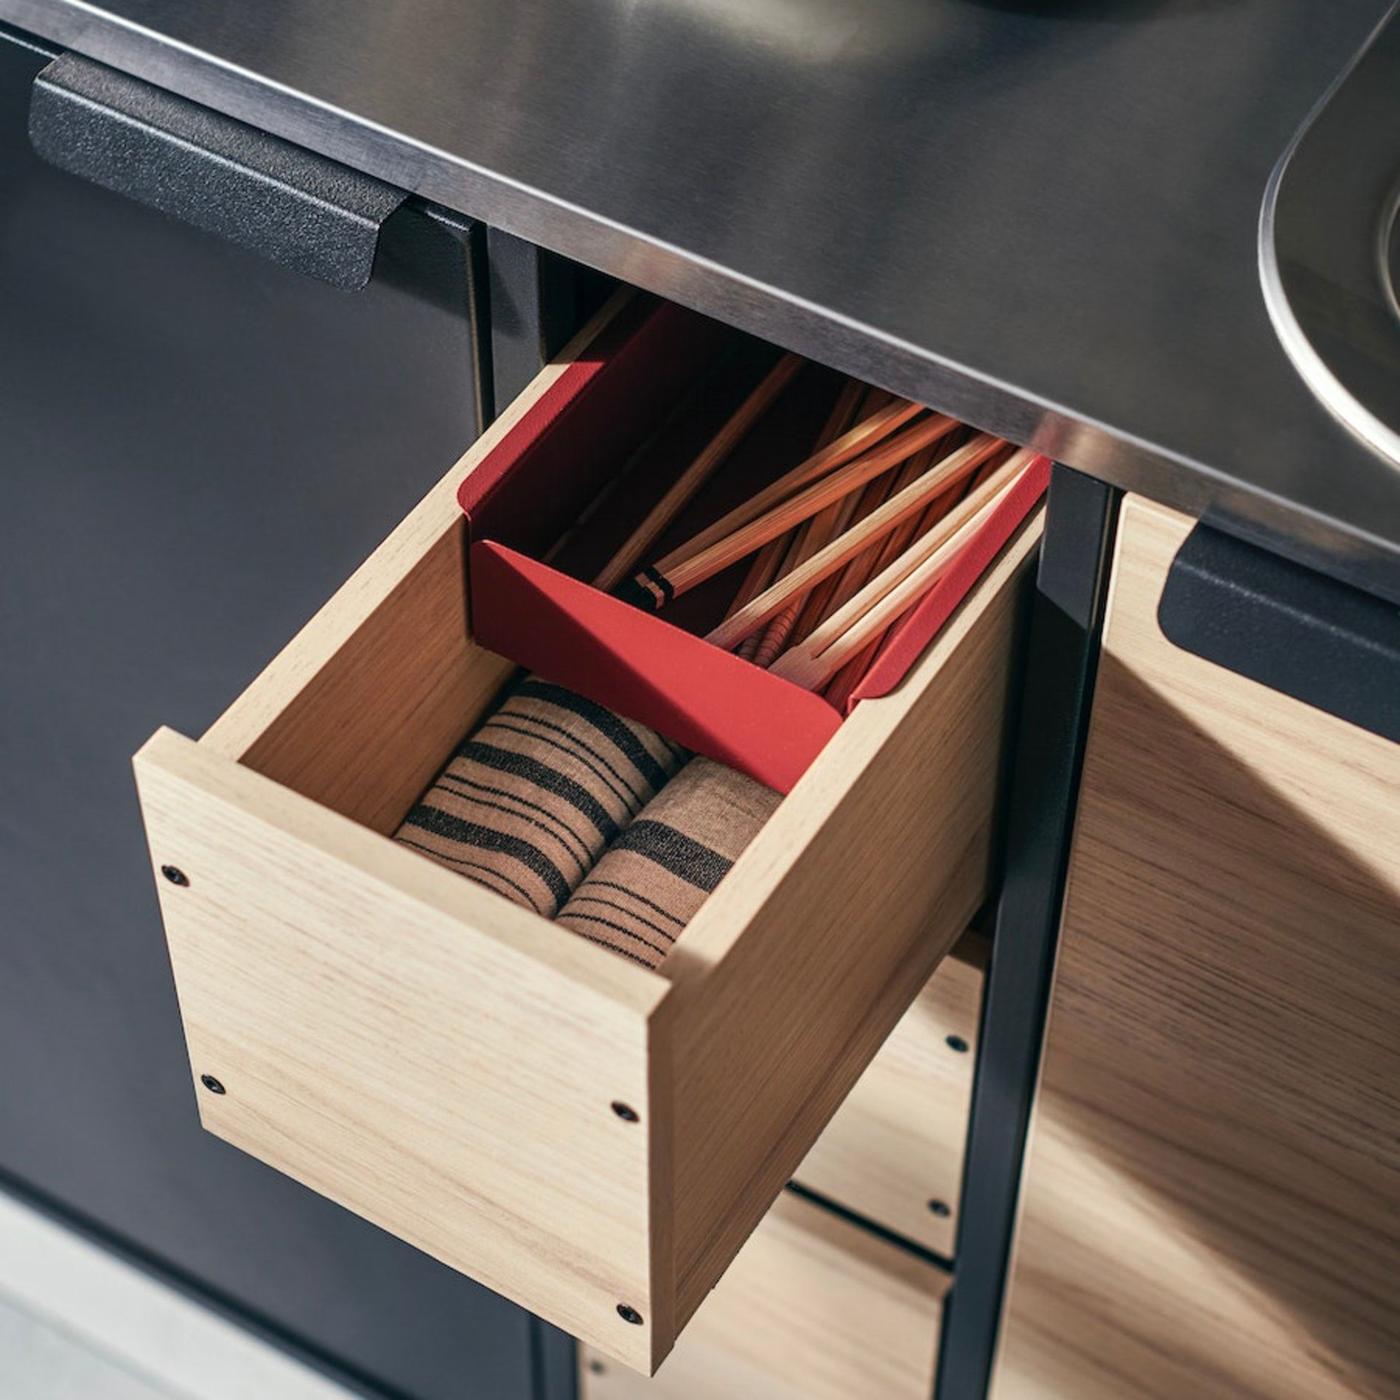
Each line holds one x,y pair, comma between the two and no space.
615,401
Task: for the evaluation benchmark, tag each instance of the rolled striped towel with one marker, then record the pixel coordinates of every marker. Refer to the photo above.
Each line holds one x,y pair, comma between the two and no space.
656,875
528,802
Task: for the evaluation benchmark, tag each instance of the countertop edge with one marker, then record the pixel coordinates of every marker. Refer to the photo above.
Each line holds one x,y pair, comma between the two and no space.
1095,448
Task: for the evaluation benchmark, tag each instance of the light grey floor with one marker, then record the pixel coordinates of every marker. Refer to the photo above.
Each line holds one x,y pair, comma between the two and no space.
78,1324
42,1360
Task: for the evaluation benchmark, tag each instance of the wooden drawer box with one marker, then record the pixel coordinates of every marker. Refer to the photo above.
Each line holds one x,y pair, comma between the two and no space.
812,1309
451,1066
894,1151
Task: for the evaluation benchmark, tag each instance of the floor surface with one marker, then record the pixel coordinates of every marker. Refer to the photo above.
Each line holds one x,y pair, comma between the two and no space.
77,1323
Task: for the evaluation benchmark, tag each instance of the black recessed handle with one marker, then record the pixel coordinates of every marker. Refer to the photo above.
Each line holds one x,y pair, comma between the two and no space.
1290,628
298,208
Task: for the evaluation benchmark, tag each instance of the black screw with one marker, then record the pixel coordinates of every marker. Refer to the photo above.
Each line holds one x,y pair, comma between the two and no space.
940,1207
629,1314
212,1084
174,874
625,1111
597,1367
956,1042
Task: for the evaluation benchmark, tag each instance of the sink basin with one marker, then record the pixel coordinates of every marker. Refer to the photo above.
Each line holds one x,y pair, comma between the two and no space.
1329,244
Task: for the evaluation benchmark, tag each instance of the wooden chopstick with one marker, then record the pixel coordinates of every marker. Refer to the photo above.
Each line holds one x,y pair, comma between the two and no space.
724,552
833,590
767,561
903,505
890,593
806,539
853,444
844,682
776,556
698,472
830,525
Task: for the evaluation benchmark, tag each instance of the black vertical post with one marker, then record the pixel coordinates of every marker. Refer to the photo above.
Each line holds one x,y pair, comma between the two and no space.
439,257
538,300
1060,664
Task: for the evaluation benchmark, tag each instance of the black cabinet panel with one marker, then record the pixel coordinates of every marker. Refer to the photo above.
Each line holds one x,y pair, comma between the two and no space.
196,447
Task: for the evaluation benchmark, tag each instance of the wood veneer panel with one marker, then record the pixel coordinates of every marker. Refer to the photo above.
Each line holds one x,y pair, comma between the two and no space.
898,1141
801,963
1211,1204
812,1309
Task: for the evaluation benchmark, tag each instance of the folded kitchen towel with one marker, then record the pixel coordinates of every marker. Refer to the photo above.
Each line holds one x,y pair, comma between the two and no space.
529,801
656,875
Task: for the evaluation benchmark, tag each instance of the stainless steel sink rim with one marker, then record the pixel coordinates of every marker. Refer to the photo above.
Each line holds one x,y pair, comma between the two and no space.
1377,425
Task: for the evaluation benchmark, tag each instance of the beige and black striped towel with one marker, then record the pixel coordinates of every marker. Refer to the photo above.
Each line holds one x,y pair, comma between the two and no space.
528,802
651,880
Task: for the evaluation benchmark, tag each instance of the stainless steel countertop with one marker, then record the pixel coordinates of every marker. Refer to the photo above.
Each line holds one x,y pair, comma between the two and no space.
1039,216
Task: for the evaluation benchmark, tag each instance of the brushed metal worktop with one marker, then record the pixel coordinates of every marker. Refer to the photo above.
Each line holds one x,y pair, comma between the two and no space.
1039,216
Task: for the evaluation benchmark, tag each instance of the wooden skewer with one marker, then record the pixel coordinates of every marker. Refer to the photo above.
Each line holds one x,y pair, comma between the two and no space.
855,443
901,506
697,473
885,597
720,555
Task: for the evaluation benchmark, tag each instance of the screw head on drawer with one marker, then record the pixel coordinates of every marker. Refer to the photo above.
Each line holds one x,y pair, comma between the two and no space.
956,1042
174,874
628,1314
940,1208
625,1111
212,1084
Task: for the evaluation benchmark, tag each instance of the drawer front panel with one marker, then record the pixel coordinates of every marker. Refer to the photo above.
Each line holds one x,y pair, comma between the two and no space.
371,1041
1209,1205
446,1063
812,1309
894,1151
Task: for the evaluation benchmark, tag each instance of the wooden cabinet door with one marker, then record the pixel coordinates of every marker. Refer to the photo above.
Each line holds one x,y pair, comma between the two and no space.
1211,1204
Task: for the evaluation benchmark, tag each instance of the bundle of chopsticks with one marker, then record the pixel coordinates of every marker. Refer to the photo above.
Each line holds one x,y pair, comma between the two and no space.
598,822
847,541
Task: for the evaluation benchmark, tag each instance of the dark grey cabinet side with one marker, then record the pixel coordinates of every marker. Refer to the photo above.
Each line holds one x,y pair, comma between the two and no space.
197,447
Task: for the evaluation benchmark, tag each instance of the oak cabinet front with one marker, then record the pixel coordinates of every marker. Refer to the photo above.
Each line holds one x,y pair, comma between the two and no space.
1211,1200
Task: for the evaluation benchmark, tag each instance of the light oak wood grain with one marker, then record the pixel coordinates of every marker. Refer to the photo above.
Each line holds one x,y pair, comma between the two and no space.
898,1141
802,961
1212,1190
812,1309
443,1062
412,1045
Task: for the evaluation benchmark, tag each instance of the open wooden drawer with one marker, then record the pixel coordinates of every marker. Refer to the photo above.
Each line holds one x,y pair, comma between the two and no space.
588,1137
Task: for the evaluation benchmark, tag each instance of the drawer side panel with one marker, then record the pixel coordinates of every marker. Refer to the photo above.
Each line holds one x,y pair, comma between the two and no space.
780,1006
896,1146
